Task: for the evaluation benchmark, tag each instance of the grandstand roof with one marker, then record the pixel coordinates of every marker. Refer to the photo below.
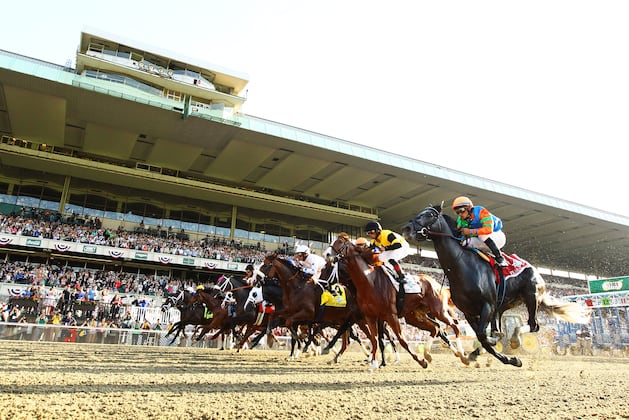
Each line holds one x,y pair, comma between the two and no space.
266,166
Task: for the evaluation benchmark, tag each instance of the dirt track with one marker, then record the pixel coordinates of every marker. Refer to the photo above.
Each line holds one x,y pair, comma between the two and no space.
60,381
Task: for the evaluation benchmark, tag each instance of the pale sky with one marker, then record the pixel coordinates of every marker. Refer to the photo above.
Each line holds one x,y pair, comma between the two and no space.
533,94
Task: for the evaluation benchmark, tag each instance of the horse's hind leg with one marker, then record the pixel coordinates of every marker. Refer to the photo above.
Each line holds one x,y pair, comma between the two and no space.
397,330
531,306
480,327
393,346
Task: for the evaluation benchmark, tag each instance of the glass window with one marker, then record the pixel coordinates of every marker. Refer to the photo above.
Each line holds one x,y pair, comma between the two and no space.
222,231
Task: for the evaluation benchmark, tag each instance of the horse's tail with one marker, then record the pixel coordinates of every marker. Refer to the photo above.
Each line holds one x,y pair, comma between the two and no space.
567,311
560,309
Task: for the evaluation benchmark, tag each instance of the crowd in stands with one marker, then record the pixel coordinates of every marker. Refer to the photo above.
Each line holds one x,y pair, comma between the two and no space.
60,287
49,225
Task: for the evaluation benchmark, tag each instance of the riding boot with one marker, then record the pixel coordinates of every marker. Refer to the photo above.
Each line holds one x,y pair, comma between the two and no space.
494,250
401,279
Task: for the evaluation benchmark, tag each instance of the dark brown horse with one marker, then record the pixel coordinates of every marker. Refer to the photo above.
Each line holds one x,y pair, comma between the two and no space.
189,313
223,322
375,295
301,299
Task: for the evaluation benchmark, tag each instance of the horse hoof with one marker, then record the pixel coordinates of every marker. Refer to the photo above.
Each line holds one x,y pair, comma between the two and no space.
423,363
516,362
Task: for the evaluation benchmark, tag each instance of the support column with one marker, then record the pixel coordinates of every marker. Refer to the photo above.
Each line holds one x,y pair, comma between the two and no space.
232,229
65,194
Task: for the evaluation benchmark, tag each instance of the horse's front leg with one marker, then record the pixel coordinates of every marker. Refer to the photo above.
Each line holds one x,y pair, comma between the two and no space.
372,325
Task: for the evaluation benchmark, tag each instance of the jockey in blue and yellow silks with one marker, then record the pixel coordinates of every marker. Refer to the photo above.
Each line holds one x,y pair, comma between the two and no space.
482,229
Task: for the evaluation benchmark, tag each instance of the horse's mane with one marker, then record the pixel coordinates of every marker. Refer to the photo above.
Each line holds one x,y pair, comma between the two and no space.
274,256
286,263
451,221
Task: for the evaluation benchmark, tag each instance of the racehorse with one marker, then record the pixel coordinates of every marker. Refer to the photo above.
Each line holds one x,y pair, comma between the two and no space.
301,298
270,291
473,283
375,295
421,310
222,321
239,290
273,294
190,314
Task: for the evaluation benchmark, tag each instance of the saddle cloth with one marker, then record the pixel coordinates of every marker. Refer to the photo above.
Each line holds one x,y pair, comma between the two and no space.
412,283
337,301
515,266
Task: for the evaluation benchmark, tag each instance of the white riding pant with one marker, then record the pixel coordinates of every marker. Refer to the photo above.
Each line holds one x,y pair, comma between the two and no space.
396,254
499,239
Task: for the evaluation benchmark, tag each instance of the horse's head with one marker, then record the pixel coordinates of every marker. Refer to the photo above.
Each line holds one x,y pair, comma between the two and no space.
340,245
267,266
173,301
254,298
429,221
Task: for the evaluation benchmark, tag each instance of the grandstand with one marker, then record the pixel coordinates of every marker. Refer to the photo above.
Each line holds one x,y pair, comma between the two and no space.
140,166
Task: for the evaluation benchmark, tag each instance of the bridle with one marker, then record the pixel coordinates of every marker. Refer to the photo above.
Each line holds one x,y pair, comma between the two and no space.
267,268
426,231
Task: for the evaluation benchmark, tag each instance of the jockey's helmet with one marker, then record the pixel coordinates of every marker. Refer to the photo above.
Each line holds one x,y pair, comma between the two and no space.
361,242
249,267
462,201
302,249
200,287
373,225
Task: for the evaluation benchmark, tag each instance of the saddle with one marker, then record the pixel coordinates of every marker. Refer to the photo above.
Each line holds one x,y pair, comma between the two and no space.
515,265
411,285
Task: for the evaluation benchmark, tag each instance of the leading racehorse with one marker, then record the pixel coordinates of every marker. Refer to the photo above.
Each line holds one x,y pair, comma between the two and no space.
473,283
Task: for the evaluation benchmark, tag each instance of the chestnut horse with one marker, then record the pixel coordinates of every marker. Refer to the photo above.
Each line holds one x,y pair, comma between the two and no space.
421,310
375,295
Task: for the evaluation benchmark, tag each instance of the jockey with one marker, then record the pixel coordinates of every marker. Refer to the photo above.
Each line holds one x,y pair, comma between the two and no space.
482,229
311,264
392,246
253,276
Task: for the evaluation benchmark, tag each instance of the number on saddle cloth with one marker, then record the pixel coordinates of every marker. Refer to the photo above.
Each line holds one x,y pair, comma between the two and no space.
337,300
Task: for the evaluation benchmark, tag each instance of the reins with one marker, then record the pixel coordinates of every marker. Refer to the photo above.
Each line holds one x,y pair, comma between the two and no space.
249,286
